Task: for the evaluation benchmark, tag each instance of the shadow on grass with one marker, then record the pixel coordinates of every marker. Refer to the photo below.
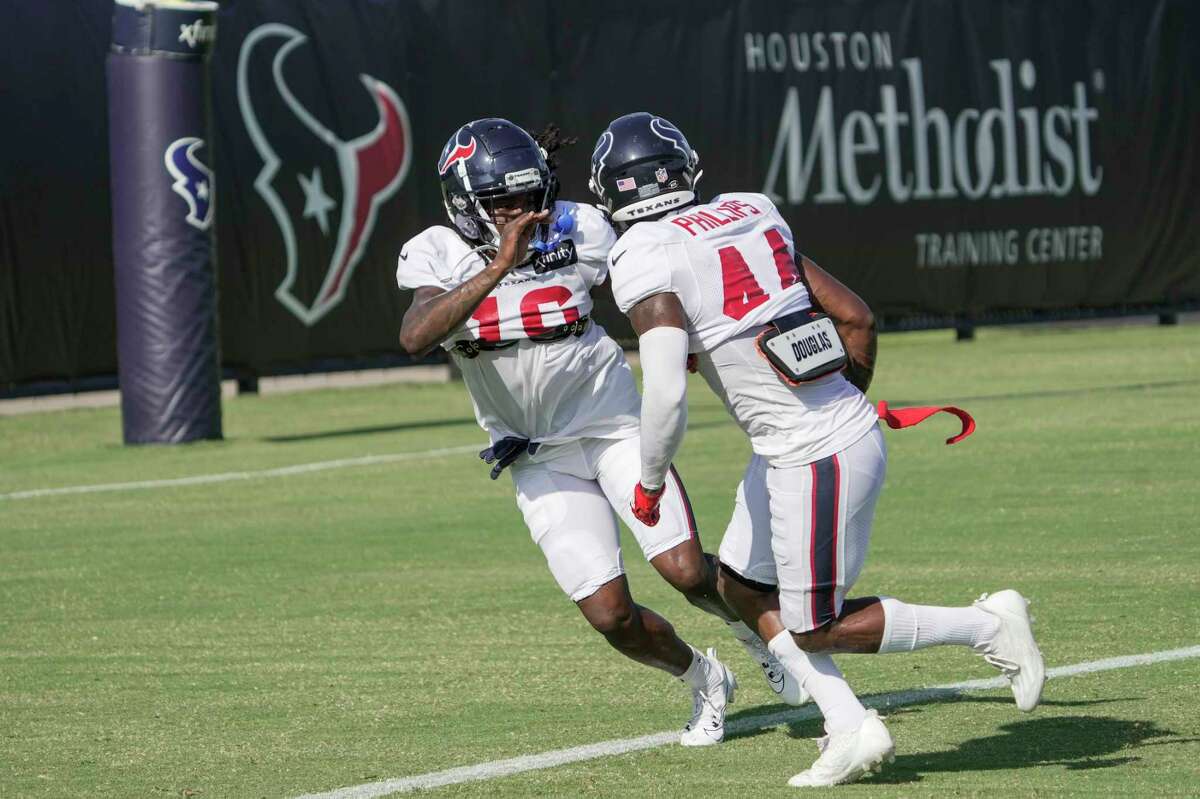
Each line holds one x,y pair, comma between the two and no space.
1062,392
723,421
803,722
1076,742
428,424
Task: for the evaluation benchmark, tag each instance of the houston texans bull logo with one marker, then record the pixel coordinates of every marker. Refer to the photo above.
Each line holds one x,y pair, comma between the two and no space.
460,152
369,170
599,155
193,180
672,135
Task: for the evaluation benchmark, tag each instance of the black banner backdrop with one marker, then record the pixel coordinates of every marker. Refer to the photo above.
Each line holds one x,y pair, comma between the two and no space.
944,157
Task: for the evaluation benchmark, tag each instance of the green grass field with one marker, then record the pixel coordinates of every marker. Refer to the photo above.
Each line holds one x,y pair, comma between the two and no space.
278,636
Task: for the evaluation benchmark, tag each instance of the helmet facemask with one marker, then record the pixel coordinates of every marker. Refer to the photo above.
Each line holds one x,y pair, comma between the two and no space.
479,217
467,207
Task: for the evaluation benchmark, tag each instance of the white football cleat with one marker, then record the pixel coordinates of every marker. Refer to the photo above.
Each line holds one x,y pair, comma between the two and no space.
707,725
849,756
782,683
1012,649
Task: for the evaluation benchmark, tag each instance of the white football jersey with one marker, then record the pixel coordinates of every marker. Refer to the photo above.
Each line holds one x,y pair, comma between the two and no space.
549,391
731,263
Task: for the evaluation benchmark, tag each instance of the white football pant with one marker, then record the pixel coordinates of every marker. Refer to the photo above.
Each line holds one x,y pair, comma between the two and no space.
806,528
571,502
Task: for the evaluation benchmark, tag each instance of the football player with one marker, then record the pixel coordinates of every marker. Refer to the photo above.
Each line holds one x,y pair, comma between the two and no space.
505,289
790,350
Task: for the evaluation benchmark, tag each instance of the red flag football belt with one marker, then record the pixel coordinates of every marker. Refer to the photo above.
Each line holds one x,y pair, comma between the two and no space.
908,417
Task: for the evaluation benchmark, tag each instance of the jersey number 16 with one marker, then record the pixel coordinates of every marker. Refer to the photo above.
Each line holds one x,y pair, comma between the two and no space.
488,312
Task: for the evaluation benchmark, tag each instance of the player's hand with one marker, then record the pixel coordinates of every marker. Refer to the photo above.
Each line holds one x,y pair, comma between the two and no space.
645,504
514,241
693,365
505,452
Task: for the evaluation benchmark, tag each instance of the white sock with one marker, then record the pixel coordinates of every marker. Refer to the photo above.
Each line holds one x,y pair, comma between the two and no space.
696,675
742,631
909,627
824,682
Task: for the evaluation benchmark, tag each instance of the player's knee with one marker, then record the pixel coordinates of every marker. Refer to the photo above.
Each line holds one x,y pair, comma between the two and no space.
613,620
690,579
689,575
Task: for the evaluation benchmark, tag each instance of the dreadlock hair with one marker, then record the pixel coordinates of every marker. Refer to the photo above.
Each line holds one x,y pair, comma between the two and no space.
551,140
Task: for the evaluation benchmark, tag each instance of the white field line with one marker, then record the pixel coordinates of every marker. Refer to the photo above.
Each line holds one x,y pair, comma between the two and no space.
226,477
559,757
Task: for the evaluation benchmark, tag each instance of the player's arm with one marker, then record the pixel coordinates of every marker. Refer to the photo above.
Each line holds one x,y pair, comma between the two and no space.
434,314
854,320
661,326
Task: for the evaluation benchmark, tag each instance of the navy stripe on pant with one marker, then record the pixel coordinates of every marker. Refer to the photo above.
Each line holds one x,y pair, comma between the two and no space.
826,474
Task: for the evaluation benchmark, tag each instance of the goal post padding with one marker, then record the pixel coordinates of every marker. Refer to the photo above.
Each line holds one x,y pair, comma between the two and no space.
162,220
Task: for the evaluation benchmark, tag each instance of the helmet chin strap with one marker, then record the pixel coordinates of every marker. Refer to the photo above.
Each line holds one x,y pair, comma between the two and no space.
484,218
542,233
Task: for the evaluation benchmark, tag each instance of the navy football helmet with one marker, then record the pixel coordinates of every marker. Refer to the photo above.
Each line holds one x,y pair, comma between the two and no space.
643,167
487,159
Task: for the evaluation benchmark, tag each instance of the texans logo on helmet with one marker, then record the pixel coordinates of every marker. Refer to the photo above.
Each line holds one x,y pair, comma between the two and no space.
461,152
603,148
193,180
669,133
323,191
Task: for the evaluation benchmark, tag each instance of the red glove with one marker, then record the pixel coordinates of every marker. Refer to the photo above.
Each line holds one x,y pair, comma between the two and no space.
645,504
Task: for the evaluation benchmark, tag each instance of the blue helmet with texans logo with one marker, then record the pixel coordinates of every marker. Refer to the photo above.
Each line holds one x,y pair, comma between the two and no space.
485,160
643,167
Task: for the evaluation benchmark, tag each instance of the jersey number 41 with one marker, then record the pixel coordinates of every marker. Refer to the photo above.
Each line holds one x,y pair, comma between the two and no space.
742,292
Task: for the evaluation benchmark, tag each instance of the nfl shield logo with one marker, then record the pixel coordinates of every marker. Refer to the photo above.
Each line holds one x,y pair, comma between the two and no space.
660,175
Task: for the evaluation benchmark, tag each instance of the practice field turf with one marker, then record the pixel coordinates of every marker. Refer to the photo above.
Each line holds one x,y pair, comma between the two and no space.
295,633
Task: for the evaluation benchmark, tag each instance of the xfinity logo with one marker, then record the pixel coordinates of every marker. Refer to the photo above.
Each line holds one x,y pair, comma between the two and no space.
562,255
196,33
